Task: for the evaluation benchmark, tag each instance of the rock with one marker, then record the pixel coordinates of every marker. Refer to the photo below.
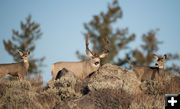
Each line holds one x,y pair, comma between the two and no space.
109,76
114,77
107,87
65,86
65,75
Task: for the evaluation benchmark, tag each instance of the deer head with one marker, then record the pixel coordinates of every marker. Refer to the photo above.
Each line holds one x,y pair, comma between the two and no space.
24,56
95,58
160,61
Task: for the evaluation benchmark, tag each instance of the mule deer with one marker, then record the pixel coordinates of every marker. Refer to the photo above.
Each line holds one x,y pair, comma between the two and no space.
16,69
150,73
84,68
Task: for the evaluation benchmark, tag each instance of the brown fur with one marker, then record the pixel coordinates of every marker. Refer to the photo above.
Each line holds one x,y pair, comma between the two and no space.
150,73
16,69
80,69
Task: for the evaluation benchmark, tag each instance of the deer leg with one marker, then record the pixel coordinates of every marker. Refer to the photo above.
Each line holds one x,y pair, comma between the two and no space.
137,74
154,76
1,76
20,77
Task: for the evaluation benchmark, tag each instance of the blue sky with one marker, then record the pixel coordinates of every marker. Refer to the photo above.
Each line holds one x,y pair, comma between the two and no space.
61,22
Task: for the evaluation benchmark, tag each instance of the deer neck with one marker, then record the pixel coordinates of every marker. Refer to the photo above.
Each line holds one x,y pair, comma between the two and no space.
26,64
161,67
86,69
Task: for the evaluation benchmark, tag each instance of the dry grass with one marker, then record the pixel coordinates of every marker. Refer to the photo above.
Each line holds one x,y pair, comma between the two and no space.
154,87
111,99
69,93
161,87
31,94
174,86
143,101
16,94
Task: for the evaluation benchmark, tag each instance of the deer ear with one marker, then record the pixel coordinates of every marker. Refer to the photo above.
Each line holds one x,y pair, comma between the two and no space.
155,56
20,52
165,56
102,55
89,53
28,52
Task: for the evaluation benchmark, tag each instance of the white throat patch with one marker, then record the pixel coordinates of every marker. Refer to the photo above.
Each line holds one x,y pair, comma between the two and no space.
161,67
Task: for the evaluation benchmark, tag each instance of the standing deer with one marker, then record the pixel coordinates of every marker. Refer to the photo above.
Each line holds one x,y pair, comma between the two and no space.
150,73
81,69
16,69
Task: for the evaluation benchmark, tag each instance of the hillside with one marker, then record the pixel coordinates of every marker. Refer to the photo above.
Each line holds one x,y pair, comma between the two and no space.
111,87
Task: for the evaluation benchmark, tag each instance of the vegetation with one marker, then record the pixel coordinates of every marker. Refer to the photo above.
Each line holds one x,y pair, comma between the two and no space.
111,87
64,94
102,25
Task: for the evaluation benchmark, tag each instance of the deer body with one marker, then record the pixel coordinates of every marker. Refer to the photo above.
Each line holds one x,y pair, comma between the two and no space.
13,68
80,69
147,73
16,69
150,73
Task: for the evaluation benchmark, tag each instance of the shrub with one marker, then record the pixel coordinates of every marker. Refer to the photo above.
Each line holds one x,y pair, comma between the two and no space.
106,99
17,94
36,83
143,101
25,85
173,86
65,89
48,99
154,87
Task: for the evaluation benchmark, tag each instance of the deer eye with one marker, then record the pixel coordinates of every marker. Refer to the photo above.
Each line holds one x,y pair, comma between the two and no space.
96,63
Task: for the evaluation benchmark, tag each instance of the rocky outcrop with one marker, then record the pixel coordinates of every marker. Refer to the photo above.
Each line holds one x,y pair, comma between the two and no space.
114,77
112,86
